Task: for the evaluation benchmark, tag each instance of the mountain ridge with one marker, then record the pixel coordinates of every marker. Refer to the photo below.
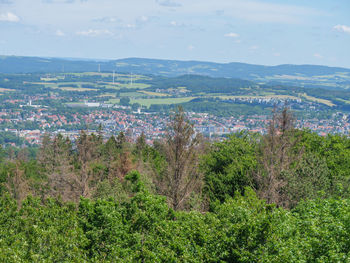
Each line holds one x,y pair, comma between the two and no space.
306,75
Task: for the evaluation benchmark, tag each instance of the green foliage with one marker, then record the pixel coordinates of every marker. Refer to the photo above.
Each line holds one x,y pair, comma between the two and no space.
228,166
135,106
125,101
333,154
145,229
246,224
10,137
40,233
127,221
315,231
309,179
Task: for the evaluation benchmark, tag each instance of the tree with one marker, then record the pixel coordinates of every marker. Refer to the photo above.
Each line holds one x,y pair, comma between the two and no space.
110,149
140,144
181,152
71,175
308,178
89,153
276,157
17,184
124,165
135,106
228,166
121,140
328,158
125,101
56,159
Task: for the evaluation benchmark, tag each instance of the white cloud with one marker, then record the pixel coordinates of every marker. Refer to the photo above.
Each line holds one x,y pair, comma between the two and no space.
61,1
181,25
143,19
168,3
231,35
9,17
95,32
178,24
59,33
317,55
257,11
130,26
342,28
107,19
190,47
127,23
276,54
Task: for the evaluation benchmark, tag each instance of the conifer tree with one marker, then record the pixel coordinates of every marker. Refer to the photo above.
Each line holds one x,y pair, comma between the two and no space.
276,157
181,152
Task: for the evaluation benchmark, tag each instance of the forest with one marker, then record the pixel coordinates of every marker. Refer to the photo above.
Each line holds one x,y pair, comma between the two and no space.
283,196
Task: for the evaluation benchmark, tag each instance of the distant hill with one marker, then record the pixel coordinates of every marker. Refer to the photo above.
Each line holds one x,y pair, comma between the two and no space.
301,75
202,84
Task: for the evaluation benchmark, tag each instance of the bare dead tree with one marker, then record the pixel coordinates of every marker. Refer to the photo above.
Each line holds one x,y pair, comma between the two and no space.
120,166
62,181
88,152
17,184
52,151
276,156
23,155
125,164
70,175
181,151
55,156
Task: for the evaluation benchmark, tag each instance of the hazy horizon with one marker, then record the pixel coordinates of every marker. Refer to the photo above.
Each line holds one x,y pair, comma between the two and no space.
165,59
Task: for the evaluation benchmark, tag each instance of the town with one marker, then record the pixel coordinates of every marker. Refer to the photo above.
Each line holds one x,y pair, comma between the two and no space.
35,104
31,121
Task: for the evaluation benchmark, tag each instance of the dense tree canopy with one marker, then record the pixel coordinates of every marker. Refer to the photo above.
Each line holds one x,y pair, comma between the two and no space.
113,201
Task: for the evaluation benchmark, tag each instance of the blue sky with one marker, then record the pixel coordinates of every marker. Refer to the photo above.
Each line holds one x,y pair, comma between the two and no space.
266,32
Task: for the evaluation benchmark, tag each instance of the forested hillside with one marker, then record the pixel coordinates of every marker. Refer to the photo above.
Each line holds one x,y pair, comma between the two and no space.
279,197
300,75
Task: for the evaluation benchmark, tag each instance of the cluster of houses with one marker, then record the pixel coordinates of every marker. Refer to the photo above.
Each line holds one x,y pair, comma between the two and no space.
33,122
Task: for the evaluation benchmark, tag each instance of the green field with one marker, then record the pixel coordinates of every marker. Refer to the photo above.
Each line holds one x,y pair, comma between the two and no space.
113,101
101,74
117,76
5,90
76,89
151,93
134,86
118,86
149,102
346,101
109,85
138,91
56,85
106,95
318,100
132,94
227,97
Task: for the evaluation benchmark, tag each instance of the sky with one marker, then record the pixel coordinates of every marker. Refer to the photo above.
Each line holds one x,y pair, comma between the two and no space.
267,32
